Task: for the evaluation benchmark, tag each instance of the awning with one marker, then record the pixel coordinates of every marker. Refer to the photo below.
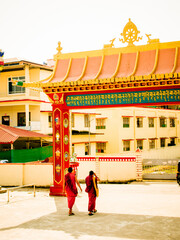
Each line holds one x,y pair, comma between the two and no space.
9,134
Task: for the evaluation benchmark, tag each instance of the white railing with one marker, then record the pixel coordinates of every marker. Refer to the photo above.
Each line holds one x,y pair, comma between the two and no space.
14,188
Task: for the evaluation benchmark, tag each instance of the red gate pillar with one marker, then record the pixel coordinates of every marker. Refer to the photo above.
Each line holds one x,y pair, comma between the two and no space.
61,151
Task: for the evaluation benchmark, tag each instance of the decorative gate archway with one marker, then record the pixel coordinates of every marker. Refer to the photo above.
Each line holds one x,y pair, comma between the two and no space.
145,75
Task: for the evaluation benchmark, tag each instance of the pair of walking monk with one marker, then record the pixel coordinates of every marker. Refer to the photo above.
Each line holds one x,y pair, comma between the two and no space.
71,190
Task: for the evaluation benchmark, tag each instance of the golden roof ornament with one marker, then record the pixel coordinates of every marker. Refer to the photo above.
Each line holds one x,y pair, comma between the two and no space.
156,40
111,44
59,48
130,34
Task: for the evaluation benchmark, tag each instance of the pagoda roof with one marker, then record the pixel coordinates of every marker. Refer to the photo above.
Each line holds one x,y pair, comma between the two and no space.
148,62
135,62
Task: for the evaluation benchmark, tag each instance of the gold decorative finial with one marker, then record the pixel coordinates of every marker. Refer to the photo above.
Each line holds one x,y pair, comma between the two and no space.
130,34
59,48
111,44
156,40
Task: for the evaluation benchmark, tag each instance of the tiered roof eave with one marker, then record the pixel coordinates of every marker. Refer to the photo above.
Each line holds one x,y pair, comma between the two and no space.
125,65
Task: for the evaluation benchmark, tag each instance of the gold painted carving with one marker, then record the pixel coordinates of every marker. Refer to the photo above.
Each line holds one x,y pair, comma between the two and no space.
111,44
130,34
156,40
58,54
59,48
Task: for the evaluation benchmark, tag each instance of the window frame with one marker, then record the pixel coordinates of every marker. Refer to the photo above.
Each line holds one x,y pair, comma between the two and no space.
152,142
126,148
162,145
140,146
100,123
15,89
139,122
162,122
101,147
86,120
50,120
126,124
151,125
172,122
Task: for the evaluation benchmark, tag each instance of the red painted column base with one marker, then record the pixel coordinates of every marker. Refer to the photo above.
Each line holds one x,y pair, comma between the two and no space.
57,191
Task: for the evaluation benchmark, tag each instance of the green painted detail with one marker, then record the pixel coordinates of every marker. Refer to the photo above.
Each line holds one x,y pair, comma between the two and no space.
154,96
27,155
19,83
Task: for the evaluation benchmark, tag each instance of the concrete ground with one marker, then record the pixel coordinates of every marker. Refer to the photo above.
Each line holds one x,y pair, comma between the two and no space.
147,210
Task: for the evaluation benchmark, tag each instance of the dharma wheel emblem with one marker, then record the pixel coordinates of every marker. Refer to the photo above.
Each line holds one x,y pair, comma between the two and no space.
130,34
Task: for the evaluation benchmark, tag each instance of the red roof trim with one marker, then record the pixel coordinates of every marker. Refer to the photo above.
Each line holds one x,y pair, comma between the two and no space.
127,116
140,116
152,138
141,138
127,139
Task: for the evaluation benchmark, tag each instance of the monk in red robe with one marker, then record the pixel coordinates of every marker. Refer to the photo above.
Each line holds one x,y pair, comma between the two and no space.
92,190
71,189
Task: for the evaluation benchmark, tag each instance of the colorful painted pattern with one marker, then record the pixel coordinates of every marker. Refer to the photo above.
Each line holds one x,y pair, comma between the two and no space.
1,60
153,96
107,159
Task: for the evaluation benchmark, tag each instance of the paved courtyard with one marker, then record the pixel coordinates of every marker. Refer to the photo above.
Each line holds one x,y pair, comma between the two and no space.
147,210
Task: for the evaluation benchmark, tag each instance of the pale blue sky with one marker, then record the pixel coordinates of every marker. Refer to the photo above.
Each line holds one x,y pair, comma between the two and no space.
31,29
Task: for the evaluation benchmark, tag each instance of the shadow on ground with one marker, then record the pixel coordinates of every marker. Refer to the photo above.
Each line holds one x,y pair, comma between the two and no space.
102,224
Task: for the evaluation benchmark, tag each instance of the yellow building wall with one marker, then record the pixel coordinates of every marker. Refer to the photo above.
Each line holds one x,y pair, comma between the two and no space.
114,133
45,124
4,85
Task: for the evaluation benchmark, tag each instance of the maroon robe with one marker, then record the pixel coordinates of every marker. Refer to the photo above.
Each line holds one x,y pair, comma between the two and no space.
90,189
71,189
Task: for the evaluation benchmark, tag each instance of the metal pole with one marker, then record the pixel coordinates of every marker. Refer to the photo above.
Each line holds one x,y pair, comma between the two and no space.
34,191
8,195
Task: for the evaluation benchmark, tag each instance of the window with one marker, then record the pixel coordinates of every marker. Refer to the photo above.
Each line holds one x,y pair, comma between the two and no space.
163,122
172,142
87,146
86,120
162,142
13,89
72,120
151,122
6,120
50,120
101,147
139,122
151,143
126,122
140,144
100,123
126,145
22,119
172,122
72,149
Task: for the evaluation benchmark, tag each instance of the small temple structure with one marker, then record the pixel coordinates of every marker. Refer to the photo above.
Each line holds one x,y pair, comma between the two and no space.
144,75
